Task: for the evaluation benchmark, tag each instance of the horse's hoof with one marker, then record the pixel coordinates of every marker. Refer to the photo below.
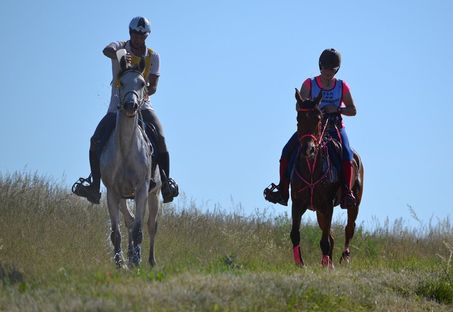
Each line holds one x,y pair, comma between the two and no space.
346,257
119,261
136,258
326,262
152,262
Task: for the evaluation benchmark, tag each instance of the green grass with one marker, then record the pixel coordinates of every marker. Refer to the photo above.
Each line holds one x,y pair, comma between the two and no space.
55,255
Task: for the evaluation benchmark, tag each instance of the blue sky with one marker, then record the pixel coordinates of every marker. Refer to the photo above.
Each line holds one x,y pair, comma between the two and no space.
226,92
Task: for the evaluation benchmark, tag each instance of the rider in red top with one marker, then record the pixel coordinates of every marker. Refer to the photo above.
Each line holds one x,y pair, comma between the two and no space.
337,100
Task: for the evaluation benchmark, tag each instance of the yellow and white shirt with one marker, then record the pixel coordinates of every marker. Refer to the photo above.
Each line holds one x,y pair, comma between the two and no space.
151,67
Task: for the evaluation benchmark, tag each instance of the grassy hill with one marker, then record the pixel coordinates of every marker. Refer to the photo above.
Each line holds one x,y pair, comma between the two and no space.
55,255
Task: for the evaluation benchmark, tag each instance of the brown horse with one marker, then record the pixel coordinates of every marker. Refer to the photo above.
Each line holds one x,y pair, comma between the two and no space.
315,182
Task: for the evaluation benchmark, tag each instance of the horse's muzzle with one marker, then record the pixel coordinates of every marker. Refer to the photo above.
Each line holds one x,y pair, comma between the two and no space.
308,149
130,108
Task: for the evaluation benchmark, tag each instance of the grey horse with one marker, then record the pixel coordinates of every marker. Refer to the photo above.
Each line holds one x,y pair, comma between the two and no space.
127,168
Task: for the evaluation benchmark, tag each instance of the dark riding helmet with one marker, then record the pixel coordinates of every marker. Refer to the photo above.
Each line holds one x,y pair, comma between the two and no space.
330,58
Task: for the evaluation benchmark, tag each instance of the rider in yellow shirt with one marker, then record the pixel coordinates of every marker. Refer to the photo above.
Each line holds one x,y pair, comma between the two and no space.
139,29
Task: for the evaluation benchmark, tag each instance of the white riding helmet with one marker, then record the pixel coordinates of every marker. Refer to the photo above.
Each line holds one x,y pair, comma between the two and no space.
140,24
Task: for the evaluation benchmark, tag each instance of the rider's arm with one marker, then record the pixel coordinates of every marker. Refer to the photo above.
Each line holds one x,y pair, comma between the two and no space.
349,107
110,50
152,84
153,77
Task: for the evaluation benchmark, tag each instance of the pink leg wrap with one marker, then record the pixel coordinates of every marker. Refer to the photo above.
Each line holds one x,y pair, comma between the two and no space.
297,257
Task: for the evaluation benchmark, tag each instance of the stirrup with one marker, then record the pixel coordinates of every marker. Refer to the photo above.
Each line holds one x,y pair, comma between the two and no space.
274,197
82,188
269,190
76,187
170,190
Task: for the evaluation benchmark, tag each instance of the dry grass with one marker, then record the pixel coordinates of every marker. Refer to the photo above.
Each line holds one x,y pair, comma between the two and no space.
55,254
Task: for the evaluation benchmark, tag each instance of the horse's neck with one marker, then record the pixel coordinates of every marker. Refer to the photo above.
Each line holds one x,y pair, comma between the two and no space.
315,165
126,132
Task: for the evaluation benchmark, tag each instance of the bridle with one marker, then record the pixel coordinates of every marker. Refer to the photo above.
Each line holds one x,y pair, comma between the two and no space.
141,99
316,139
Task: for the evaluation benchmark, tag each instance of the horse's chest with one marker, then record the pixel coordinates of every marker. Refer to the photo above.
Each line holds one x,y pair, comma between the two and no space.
314,183
126,171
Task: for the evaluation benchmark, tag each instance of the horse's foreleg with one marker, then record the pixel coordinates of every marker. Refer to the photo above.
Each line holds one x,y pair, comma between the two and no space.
153,204
141,199
296,216
349,233
326,242
129,222
115,235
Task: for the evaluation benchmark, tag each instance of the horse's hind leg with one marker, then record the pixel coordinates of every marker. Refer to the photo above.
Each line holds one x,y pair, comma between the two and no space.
326,243
349,233
129,222
153,204
353,211
296,216
115,235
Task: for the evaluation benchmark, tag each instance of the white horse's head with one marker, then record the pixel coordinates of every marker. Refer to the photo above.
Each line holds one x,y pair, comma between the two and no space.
132,87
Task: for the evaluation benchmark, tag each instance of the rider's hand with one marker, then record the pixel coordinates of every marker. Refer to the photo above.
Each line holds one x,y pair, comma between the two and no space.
128,58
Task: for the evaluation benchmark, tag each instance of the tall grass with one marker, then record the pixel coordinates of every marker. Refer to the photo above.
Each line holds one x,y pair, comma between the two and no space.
55,254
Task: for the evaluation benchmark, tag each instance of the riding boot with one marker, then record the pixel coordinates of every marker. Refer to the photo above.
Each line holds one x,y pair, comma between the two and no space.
348,199
279,194
95,186
89,187
169,187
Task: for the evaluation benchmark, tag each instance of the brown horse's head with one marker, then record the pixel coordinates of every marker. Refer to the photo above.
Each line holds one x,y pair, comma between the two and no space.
308,123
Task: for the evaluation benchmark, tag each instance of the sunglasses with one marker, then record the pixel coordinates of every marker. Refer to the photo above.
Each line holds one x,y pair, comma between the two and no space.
330,68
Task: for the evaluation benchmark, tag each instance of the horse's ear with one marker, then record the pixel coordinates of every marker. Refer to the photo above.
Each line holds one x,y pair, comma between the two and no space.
142,64
318,98
297,96
123,63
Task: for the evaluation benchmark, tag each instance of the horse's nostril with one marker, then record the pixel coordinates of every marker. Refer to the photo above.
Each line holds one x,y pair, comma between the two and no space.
130,105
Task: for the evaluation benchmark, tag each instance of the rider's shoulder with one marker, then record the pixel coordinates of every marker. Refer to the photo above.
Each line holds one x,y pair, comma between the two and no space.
345,86
153,55
152,52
